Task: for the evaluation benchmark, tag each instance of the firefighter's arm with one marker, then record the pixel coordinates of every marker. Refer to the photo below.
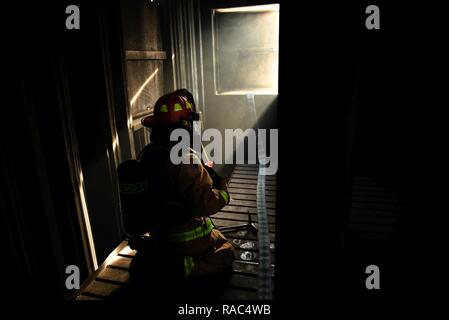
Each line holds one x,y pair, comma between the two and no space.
201,197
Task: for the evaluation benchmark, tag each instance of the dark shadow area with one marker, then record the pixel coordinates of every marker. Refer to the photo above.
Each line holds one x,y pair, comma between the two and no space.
152,282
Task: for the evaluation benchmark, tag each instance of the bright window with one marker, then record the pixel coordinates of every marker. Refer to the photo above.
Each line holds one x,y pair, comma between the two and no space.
246,49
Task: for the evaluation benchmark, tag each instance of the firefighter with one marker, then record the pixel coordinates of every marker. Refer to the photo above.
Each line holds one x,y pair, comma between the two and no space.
184,197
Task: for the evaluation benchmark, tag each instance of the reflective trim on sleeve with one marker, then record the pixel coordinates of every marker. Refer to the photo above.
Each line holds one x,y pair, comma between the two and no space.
198,232
132,188
225,195
188,265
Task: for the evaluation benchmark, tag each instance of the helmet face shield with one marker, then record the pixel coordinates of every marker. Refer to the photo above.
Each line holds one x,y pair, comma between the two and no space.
197,128
194,116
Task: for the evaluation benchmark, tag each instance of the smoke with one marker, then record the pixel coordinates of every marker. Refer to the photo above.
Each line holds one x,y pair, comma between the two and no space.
246,49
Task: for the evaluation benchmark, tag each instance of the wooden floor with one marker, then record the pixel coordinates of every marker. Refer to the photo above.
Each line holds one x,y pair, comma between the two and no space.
113,275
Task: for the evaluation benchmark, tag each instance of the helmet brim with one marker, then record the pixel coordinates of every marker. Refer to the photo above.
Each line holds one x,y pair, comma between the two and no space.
148,121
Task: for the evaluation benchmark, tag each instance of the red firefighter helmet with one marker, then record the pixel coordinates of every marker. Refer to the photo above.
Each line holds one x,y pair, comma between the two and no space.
176,107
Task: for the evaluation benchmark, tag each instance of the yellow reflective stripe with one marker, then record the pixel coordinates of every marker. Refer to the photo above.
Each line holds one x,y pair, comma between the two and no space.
177,107
188,105
130,188
225,195
188,265
163,108
196,233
